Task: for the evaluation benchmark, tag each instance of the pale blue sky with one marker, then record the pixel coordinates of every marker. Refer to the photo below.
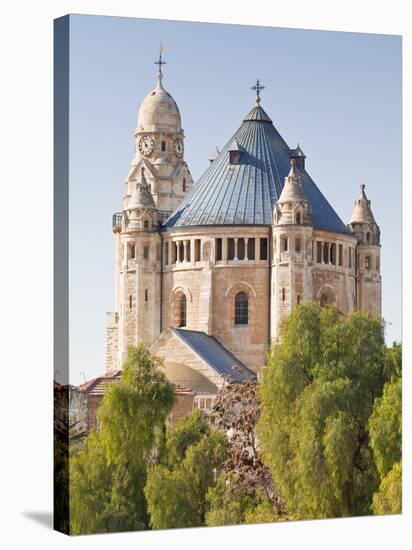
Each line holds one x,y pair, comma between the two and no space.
338,94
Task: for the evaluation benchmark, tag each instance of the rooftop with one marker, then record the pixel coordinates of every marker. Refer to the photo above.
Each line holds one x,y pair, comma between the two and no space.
245,193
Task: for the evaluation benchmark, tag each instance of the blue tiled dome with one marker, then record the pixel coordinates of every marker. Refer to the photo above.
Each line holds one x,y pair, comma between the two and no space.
245,192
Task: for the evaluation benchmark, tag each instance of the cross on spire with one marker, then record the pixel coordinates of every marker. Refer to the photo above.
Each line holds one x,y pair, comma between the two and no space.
258,88
160,62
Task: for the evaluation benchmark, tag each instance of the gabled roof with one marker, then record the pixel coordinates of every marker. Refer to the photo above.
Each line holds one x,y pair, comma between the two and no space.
246,193
214,354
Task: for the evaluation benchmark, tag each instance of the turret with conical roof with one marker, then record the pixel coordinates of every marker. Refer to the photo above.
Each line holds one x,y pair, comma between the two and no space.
292,248
363,222
293,205
368,276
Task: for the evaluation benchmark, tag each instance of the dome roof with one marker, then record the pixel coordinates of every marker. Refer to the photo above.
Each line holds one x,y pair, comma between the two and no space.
159,111
247,192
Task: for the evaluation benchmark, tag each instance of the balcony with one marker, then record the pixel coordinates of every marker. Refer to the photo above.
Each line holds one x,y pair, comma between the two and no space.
117,222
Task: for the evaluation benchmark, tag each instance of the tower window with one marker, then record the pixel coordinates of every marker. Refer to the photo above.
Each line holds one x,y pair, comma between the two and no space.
145,252
298,299
285,244
241,249
146,295
283,295
263,249
319,252
341,254
163,146
241,309
146,225
298,218
297,245
130,301
131,251
333,253
218,249
182,311
368,237
230,249
184,185
350,258
367,262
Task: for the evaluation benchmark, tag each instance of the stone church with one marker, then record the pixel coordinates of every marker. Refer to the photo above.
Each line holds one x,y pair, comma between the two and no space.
206,271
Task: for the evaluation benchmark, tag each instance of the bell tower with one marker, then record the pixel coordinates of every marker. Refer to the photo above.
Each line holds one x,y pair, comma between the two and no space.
368,273
159,147
158,180
292,249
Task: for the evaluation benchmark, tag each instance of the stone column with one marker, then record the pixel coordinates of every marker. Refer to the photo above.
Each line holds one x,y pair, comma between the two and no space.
185,247
257,249
192,251
235,254
246,243
178,243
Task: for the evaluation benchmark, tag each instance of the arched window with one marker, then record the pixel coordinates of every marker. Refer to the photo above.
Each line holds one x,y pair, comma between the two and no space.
368,237
298,218
184,185
182,311
146,225
241,309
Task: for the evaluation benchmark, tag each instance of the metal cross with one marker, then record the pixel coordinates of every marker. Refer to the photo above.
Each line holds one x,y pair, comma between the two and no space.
160,62
258,88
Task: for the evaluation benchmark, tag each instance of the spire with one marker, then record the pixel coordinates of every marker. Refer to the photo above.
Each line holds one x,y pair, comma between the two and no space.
141,197
258,88
214,155
362,213
292,190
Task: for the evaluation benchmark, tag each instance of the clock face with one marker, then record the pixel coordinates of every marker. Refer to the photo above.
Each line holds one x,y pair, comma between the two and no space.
178,147
146,145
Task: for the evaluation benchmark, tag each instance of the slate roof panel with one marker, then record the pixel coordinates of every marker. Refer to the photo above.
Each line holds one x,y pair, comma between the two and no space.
247,193
215,354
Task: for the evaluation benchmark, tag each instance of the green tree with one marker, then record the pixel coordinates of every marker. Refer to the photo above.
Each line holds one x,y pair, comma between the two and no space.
317,394
385,429
388,500
108,476
176,487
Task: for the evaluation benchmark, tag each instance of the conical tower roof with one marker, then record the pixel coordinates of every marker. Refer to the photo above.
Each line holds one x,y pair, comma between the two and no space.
292,190
362,213
247,192
141,197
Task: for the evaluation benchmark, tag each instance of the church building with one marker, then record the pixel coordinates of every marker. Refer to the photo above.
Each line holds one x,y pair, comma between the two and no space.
206,271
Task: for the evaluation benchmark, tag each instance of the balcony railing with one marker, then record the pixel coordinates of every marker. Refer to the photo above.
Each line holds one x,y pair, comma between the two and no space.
117,222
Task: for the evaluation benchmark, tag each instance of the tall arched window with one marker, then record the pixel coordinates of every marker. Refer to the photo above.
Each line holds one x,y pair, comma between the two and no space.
298,218
146,225
241,309
182,311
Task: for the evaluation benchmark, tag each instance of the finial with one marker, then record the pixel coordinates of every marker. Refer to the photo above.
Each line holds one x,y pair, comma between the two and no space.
258,88
362,187
160,62
292,168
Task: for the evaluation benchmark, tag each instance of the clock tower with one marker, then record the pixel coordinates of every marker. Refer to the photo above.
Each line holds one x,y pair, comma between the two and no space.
160,150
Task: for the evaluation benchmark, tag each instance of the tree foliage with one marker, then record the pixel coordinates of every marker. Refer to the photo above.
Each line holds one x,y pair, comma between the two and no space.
317,395
177,486
388,500
385,429
108,476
